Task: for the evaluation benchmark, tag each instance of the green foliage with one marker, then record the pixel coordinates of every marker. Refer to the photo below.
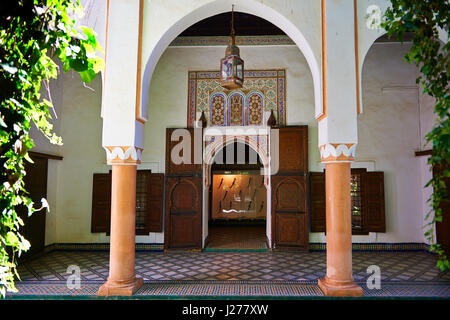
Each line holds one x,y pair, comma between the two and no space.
423,18
32,35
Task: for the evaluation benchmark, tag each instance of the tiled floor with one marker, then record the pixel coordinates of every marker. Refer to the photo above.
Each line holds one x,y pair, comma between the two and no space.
236,273
298,266
237,237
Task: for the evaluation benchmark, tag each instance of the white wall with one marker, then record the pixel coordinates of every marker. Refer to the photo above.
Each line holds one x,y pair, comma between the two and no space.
388,134
70,180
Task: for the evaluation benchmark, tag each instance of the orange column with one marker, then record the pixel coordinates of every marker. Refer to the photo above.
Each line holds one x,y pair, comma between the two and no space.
122,279
338,280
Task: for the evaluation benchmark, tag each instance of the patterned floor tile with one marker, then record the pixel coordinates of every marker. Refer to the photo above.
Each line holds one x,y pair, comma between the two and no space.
402,273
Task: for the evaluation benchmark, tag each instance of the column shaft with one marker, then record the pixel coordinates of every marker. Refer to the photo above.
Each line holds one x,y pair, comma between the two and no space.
338,280
122,279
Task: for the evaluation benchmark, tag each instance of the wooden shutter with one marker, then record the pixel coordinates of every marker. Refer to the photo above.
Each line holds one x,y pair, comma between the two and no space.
317,201
142,205
373,195
155,203
101,203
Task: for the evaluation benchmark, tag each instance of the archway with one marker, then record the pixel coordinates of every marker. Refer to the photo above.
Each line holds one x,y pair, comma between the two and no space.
389,89
237,207
216,7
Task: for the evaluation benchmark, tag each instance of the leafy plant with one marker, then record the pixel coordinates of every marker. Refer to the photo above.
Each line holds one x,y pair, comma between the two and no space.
423,19
33,33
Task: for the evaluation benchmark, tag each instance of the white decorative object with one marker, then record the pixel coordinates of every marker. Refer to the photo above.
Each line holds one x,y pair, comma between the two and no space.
123,155
338,152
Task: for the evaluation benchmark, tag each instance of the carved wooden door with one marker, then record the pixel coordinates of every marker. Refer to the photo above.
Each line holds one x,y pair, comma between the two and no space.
289,207
184,212
183,209
290,219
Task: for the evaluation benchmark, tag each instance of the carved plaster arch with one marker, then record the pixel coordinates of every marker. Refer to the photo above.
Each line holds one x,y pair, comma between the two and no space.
216,143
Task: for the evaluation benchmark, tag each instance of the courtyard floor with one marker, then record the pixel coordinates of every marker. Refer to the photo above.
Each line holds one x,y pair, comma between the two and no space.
184,274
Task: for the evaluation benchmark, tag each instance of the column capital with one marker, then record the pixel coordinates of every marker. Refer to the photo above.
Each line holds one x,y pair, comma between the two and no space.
123,155
337,152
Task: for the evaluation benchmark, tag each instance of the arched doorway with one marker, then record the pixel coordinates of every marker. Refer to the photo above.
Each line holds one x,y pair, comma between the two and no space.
237,210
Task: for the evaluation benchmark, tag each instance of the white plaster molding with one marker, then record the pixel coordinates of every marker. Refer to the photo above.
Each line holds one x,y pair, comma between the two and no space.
123,155
342,152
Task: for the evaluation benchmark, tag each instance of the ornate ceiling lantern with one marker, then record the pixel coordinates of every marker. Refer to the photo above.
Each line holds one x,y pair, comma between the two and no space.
232,66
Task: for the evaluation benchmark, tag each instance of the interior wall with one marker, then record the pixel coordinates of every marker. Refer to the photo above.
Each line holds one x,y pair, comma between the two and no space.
388,134
391,129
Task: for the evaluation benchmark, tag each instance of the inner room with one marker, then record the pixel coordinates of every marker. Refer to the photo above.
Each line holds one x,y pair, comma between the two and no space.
238,200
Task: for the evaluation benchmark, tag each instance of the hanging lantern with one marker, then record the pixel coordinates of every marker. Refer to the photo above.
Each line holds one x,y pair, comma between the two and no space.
232,66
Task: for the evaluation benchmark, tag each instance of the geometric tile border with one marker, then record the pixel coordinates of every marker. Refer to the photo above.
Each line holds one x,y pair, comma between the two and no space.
230,289
408,246
240,41
158,247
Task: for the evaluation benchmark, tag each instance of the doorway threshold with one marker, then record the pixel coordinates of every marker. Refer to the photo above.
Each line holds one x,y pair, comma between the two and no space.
237,239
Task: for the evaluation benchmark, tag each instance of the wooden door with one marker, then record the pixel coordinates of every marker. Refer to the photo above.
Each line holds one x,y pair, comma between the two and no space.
183,228
34,227
289,215
183,191
289,207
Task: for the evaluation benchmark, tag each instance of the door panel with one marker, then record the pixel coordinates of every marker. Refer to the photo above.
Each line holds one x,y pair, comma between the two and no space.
34,227
290,229
290,196
175,151
290,219
293,150
183,190
183,212
184,231
289,211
